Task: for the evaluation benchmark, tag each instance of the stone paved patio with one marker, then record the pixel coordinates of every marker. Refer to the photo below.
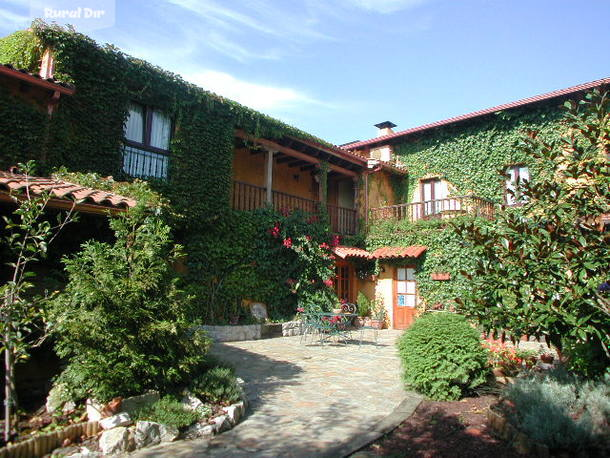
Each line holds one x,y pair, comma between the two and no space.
307,400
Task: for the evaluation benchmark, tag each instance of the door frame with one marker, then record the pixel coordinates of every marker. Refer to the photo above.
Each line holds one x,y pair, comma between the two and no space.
351,278
395,292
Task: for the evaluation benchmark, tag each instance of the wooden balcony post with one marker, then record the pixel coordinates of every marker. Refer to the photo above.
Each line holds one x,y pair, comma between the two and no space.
356,201
269,176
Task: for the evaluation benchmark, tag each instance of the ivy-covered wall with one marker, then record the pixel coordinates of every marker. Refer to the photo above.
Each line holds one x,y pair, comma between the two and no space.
472,155
446,252
86,134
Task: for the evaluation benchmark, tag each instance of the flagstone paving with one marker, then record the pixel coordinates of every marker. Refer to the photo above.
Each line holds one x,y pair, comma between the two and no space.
307,400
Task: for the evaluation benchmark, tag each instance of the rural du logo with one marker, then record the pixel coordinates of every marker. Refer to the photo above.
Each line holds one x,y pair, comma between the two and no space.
82,14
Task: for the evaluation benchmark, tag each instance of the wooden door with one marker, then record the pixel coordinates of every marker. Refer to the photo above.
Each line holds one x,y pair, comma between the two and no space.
344,282
405,297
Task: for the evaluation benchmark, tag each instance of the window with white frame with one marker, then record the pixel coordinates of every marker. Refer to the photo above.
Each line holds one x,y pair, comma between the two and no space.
515,176
147,136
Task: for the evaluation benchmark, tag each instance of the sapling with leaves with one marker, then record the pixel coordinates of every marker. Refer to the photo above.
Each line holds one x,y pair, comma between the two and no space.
28,234
539,267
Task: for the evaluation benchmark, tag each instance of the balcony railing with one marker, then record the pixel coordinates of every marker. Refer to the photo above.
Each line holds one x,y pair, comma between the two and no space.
247,197
436,209
343,220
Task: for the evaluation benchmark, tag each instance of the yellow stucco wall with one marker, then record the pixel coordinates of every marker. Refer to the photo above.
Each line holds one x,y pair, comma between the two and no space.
384,290
250,168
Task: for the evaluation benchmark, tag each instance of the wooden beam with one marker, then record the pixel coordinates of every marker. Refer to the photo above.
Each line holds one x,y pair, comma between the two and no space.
289,151
285,159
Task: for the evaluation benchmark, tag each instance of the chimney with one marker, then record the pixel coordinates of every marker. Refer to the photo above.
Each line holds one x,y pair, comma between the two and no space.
385,128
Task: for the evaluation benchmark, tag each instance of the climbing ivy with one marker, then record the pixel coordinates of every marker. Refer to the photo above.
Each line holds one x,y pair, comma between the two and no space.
447,252
473,155
86,135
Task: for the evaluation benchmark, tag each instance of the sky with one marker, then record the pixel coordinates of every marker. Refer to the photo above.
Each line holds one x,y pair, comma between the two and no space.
334,68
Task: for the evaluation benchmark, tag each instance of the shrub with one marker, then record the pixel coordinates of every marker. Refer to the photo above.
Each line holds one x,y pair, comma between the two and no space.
442,356
560,410
121,322
218,385
364,305
169,411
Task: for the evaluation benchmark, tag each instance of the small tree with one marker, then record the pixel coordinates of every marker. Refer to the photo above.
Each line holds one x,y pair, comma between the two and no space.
28,237
540,267
122,322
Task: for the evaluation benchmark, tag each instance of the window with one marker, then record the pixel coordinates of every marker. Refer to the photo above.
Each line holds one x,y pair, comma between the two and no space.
406,292
515,175
147,136
432,193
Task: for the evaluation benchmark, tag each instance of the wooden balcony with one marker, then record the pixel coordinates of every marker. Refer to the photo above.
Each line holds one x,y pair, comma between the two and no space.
436,209
247,197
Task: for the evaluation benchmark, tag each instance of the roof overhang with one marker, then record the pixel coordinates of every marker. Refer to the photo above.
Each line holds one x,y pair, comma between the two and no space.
61,194
401,135
397,252
340,162
35,80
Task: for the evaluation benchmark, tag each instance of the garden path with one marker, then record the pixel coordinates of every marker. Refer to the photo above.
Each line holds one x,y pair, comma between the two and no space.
307,400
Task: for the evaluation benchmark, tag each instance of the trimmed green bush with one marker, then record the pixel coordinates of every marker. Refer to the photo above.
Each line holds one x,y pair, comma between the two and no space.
442,356
122,322
169,411
561,410
218,385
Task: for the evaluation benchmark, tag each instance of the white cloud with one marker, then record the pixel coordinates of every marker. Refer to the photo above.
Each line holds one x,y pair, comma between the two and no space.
219,42
385,6
257,96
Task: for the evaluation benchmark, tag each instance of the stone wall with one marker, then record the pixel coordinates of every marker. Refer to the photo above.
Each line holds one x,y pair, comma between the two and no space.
292,328
234,333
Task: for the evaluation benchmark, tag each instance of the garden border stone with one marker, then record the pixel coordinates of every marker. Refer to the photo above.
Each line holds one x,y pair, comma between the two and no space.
522,443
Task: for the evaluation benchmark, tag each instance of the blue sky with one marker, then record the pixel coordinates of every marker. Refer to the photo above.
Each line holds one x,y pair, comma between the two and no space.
336,67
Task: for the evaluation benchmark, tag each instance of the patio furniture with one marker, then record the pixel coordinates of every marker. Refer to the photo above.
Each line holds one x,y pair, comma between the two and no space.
327,326
353,309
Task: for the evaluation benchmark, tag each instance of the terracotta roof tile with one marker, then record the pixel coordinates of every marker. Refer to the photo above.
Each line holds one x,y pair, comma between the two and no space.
414,251
350,252
537,98
63,190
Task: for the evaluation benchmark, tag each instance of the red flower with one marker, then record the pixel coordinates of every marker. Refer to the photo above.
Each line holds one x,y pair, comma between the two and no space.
275,230
300,309
288,242
308,237
334,241
313,219
328,282
285,211
324,246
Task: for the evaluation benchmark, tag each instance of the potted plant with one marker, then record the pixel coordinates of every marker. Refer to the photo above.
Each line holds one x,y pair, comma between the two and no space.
379,314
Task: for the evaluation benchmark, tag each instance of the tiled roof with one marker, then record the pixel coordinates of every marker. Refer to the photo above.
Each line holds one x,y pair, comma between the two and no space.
63,190
515,104
350,252
33,78
414,251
